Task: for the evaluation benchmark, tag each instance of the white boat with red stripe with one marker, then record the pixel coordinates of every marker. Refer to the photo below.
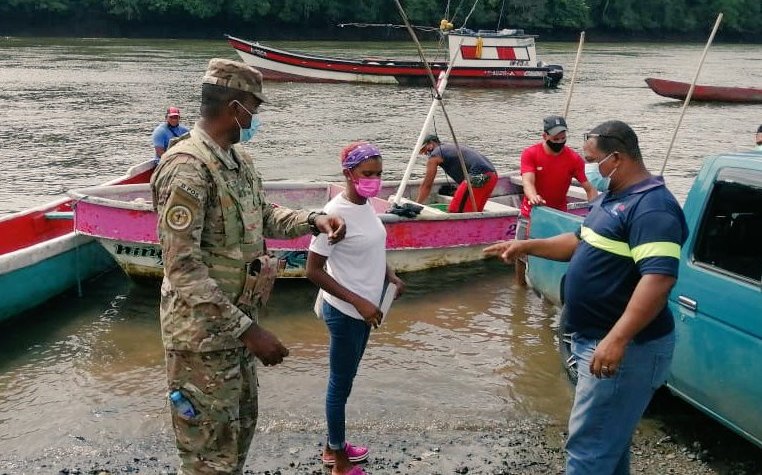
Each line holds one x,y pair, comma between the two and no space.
485,58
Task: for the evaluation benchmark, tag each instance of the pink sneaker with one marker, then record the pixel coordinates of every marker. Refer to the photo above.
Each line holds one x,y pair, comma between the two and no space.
354,453
356,470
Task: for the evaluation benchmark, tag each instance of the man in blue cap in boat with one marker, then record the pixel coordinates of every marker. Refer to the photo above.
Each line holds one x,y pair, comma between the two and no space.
213,217
166,131
481,174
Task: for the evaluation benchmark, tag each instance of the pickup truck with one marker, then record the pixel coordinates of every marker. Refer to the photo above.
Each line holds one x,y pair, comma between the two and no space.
717,300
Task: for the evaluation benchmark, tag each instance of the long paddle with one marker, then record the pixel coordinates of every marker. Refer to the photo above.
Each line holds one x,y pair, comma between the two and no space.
574,75
441,102
690,92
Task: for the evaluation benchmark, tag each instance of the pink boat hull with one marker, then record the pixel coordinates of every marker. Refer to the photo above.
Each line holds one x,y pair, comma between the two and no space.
122,220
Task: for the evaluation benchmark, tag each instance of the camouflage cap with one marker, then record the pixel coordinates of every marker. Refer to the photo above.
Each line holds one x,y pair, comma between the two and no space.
234,75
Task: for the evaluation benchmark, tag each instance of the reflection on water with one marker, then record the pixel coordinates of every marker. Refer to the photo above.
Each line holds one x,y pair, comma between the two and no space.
464,348
456,351
70,367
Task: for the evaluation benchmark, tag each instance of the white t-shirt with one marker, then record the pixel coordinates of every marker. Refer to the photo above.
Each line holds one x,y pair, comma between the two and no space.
358,262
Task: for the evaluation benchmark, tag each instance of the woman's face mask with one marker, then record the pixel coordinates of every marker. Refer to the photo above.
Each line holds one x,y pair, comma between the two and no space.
367,187
365,171
593,174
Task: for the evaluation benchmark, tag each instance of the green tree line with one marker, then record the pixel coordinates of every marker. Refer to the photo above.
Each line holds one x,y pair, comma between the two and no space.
618,16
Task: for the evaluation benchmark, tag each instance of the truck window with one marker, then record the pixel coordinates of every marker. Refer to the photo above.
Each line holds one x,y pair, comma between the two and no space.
730,235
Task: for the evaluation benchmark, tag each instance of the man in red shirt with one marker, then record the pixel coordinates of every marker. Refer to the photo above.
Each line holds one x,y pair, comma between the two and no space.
547,169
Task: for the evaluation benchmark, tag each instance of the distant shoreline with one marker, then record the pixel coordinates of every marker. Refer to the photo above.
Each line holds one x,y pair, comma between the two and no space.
212,29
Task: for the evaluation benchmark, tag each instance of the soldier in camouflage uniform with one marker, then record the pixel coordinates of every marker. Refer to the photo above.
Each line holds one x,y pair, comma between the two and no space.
213,217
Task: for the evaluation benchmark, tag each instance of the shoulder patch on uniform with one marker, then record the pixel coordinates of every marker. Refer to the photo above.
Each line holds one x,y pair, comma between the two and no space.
179,217
178,158
190,191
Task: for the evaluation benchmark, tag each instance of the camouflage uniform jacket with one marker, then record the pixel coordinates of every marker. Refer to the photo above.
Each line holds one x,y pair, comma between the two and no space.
212,219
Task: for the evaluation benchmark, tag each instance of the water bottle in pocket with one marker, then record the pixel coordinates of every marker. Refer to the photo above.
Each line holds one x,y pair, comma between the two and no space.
182,405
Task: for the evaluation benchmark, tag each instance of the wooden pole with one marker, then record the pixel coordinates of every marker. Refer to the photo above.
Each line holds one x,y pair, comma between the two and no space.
441,102
690,92
574,75
441,86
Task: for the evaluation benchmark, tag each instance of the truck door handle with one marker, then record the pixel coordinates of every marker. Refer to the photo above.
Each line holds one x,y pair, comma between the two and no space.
688,303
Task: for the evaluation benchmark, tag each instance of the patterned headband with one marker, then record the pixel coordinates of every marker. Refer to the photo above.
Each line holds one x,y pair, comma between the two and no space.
359,154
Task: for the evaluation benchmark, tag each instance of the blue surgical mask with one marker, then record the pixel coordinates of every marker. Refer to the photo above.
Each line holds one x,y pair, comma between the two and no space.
759,148
247,134
593,174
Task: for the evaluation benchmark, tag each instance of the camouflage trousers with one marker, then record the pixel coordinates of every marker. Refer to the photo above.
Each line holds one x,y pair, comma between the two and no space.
222,386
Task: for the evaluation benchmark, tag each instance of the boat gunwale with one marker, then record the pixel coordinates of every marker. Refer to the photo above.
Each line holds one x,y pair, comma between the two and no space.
49,206
43,239
90,195
40,251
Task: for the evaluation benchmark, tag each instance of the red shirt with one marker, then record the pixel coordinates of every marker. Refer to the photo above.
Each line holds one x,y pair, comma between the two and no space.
553,174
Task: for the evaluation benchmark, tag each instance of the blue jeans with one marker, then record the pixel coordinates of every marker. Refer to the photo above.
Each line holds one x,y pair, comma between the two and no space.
606,411
349,336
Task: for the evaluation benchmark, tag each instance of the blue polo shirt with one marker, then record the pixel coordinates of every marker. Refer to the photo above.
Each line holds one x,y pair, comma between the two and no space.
627,235
163,133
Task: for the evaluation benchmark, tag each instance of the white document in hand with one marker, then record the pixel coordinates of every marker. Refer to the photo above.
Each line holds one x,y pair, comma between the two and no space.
390,291
318,308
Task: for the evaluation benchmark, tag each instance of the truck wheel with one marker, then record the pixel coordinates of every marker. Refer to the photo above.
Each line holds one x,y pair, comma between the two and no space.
564,348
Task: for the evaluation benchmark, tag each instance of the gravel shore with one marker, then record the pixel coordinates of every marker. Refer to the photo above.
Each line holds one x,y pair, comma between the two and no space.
521,447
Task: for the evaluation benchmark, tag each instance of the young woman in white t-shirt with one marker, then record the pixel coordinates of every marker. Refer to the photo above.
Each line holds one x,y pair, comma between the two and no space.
351,274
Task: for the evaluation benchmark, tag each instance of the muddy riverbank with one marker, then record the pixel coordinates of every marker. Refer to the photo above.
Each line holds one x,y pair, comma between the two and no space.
530,446
465,378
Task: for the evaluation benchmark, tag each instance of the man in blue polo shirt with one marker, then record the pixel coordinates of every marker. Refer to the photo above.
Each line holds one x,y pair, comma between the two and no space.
623,263
166,131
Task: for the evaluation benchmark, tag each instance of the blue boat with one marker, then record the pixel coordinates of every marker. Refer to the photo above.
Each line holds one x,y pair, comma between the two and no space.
42,257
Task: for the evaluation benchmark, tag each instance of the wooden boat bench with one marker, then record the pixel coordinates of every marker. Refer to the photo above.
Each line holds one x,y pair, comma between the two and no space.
494,207
490,206
59,215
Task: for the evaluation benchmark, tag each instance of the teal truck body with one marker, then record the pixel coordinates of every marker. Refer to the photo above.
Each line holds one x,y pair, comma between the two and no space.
717,300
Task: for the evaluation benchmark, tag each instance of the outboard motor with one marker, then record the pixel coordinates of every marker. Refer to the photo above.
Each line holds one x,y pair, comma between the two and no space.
554,75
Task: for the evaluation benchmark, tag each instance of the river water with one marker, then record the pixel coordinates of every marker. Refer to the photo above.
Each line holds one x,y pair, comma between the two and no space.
465,348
